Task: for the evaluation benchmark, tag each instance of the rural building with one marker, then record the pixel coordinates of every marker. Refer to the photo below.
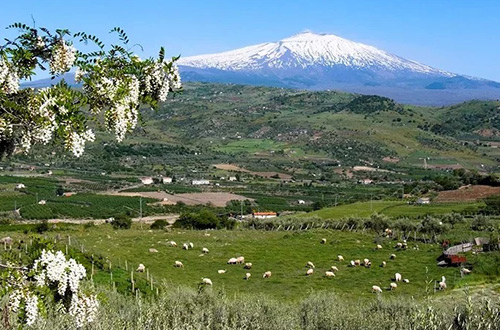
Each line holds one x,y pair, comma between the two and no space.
147,180
424,200
265,215
20,186
366,181
200,182
167,179
232,178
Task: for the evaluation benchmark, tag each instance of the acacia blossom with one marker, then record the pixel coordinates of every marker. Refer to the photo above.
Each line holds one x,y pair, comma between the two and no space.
9,79
62,58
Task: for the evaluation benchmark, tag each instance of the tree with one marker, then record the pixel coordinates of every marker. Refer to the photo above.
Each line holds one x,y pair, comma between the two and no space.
114,83
122,222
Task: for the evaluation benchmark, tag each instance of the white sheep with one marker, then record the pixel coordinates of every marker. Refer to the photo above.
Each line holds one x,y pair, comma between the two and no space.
465,271
392,256
378,247
141,268
329,274
406,280
206,281
172,243
310,265
323,241
397,277
334,269
368,264
310,271
376,289
267,274
248,265
352,263
365,261
340,258
247,276
393,286
204,250
152,250
232,261
185,246
191,245
240,260
221,271
399,245
383,264
442,285
357,262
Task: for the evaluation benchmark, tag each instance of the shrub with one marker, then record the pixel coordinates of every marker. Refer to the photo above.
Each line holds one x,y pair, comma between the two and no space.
42,227
159,224
205,219
482,223
122,222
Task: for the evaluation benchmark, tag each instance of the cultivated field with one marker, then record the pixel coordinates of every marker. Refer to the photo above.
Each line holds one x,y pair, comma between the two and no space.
467,193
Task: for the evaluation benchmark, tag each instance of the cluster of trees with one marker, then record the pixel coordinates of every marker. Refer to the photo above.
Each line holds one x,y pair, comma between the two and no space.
204,219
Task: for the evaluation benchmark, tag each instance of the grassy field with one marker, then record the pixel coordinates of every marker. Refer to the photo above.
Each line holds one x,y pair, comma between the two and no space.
390,208
284,254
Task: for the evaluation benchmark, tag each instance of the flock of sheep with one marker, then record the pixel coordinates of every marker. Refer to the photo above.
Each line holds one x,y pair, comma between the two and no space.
330,273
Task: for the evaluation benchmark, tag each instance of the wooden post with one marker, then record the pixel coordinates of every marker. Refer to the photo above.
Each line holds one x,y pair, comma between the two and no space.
132,280
66,249
151,283
147,274
69,240
126,266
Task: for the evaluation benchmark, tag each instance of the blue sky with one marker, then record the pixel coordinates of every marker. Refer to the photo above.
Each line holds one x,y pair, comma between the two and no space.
461,36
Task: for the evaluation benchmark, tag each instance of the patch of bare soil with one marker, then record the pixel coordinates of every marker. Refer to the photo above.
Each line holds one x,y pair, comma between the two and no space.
467,193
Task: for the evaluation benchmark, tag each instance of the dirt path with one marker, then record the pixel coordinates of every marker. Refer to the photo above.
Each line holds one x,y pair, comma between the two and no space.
170,218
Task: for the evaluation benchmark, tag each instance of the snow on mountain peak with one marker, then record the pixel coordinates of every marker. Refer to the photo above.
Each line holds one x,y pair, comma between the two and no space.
306,50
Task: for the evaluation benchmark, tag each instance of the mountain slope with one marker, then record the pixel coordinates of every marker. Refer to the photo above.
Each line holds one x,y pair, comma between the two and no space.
314,61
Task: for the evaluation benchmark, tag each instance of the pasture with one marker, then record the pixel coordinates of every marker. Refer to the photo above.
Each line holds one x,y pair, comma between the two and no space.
285,254
391,209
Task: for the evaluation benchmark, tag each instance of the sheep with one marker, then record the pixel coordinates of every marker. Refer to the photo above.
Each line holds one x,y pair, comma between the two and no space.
329,274
368,264
383,264
323,241
334,269
206,281
153,250
310,271
399,245
172,243
393,286
378,247
357,262
141,268
340,258
191,245
365,261
310,265
267,274
352,263
406,280
232,261
442,285
221,271
247,276
178,264
240,260
392,256
376,289
248,265
397,277
204,250
465,271
185,246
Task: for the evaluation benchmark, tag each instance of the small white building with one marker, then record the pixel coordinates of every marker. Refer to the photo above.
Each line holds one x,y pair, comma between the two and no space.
424,200
167,179
42,202
265,215
147,180
232,178
200,182
20,186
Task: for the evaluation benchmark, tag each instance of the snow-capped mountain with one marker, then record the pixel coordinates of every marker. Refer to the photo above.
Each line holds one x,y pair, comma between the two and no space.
325,61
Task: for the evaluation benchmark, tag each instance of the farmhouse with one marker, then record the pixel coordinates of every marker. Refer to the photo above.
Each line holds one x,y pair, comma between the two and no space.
423,200
232,178
200,182
147,180
167,179
264,215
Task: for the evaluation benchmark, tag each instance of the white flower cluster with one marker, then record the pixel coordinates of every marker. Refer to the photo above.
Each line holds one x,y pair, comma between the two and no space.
5,127
62,58
55,269
83,309
9,80
160,80
30,304
76,142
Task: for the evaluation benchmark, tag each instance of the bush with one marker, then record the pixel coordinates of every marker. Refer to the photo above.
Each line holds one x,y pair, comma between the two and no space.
42,227
122,222
159,224
482,223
